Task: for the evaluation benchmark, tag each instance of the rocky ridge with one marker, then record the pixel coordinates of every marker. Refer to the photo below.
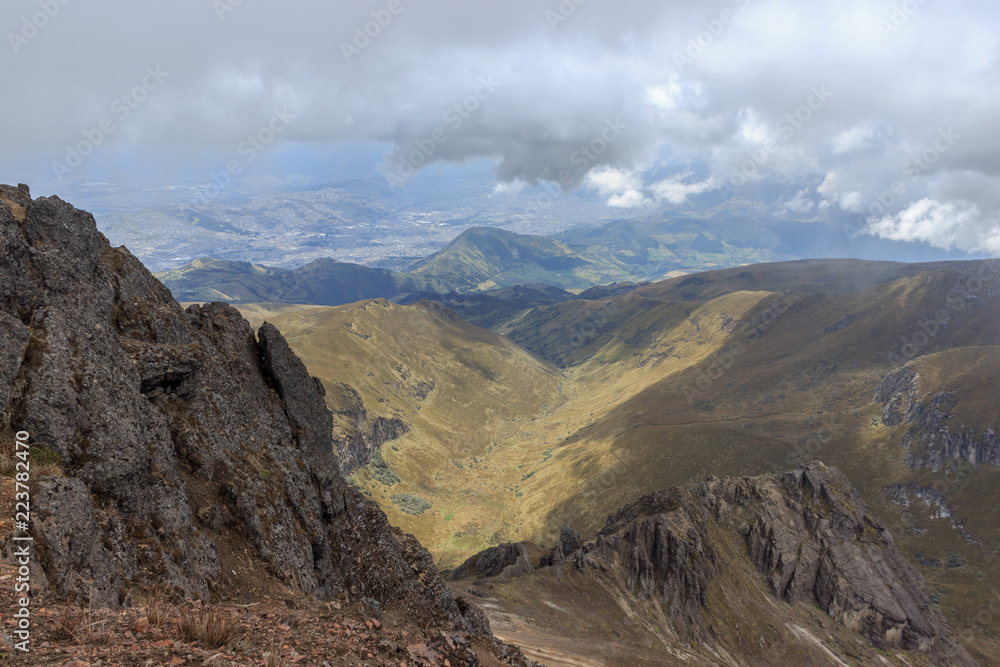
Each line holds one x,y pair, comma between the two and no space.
193,453
806,532
931,438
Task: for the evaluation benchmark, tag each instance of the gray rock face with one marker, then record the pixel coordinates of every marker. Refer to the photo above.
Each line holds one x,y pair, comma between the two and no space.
807,532
569,542
931,438
362,435
180,432
506,560
933,499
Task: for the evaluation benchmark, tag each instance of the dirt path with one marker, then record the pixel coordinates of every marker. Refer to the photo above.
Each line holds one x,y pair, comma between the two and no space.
538,646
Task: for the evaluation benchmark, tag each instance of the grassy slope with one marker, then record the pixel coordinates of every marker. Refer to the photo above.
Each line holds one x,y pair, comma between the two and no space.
663,386
483,388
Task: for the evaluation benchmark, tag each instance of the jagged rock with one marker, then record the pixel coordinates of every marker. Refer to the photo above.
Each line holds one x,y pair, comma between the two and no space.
930,439
807,532
568,543
180,432
14,338
478,623
505,560
360,437
72,547
17,199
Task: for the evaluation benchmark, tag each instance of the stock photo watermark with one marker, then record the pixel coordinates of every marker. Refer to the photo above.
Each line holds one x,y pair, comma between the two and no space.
584,158
248,150
453,118
715,28
31,25
371,30
752,330
121,108
915,166
23,541
563,12
899,16
785,128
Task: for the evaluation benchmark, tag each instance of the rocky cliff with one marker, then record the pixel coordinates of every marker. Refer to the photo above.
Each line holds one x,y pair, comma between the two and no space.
193,453
931,436
807,533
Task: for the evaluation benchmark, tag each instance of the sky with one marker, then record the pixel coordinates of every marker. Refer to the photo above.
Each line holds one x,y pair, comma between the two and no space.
885,112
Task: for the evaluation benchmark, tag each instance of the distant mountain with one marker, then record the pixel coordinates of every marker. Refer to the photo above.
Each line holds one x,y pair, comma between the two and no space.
323,281
480,259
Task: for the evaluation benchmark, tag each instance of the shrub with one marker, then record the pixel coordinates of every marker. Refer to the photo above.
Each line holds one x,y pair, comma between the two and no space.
410,503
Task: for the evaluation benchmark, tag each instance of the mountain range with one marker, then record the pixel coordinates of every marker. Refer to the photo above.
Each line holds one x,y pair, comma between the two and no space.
620,475
884,369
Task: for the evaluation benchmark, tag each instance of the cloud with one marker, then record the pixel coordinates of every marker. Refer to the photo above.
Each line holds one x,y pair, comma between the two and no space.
603,89
676,192
853,138
800,203
950,225
621,189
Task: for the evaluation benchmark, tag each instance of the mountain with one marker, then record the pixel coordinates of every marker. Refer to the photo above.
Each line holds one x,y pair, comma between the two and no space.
882,369
435,390
487,257
781,569
322,281
480,259
179,451
182,455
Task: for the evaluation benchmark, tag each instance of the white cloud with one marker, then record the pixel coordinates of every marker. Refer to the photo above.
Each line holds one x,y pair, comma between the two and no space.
674,191
620,189
628,199
800,203
853,138
948,225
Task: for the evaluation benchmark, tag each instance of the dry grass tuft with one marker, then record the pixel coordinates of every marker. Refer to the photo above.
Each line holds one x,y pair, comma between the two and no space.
86,626
212,628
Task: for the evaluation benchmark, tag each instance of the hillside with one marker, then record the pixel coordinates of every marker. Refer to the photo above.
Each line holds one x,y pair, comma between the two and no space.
783,569
175,458
181,453
444,392
487,257
482,259
742,371
322,281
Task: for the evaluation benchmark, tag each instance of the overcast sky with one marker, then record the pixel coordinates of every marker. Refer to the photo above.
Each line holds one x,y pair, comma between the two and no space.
886,110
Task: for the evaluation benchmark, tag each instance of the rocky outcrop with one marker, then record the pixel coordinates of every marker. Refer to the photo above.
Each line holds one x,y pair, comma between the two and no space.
806,532
359,436
568,543
931,437
933,499
505,560
187,442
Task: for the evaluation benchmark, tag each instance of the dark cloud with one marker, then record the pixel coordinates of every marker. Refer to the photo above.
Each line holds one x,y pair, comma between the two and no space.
721,88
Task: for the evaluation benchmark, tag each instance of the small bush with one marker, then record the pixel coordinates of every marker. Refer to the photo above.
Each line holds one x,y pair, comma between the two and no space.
44,456
410,503
380,470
